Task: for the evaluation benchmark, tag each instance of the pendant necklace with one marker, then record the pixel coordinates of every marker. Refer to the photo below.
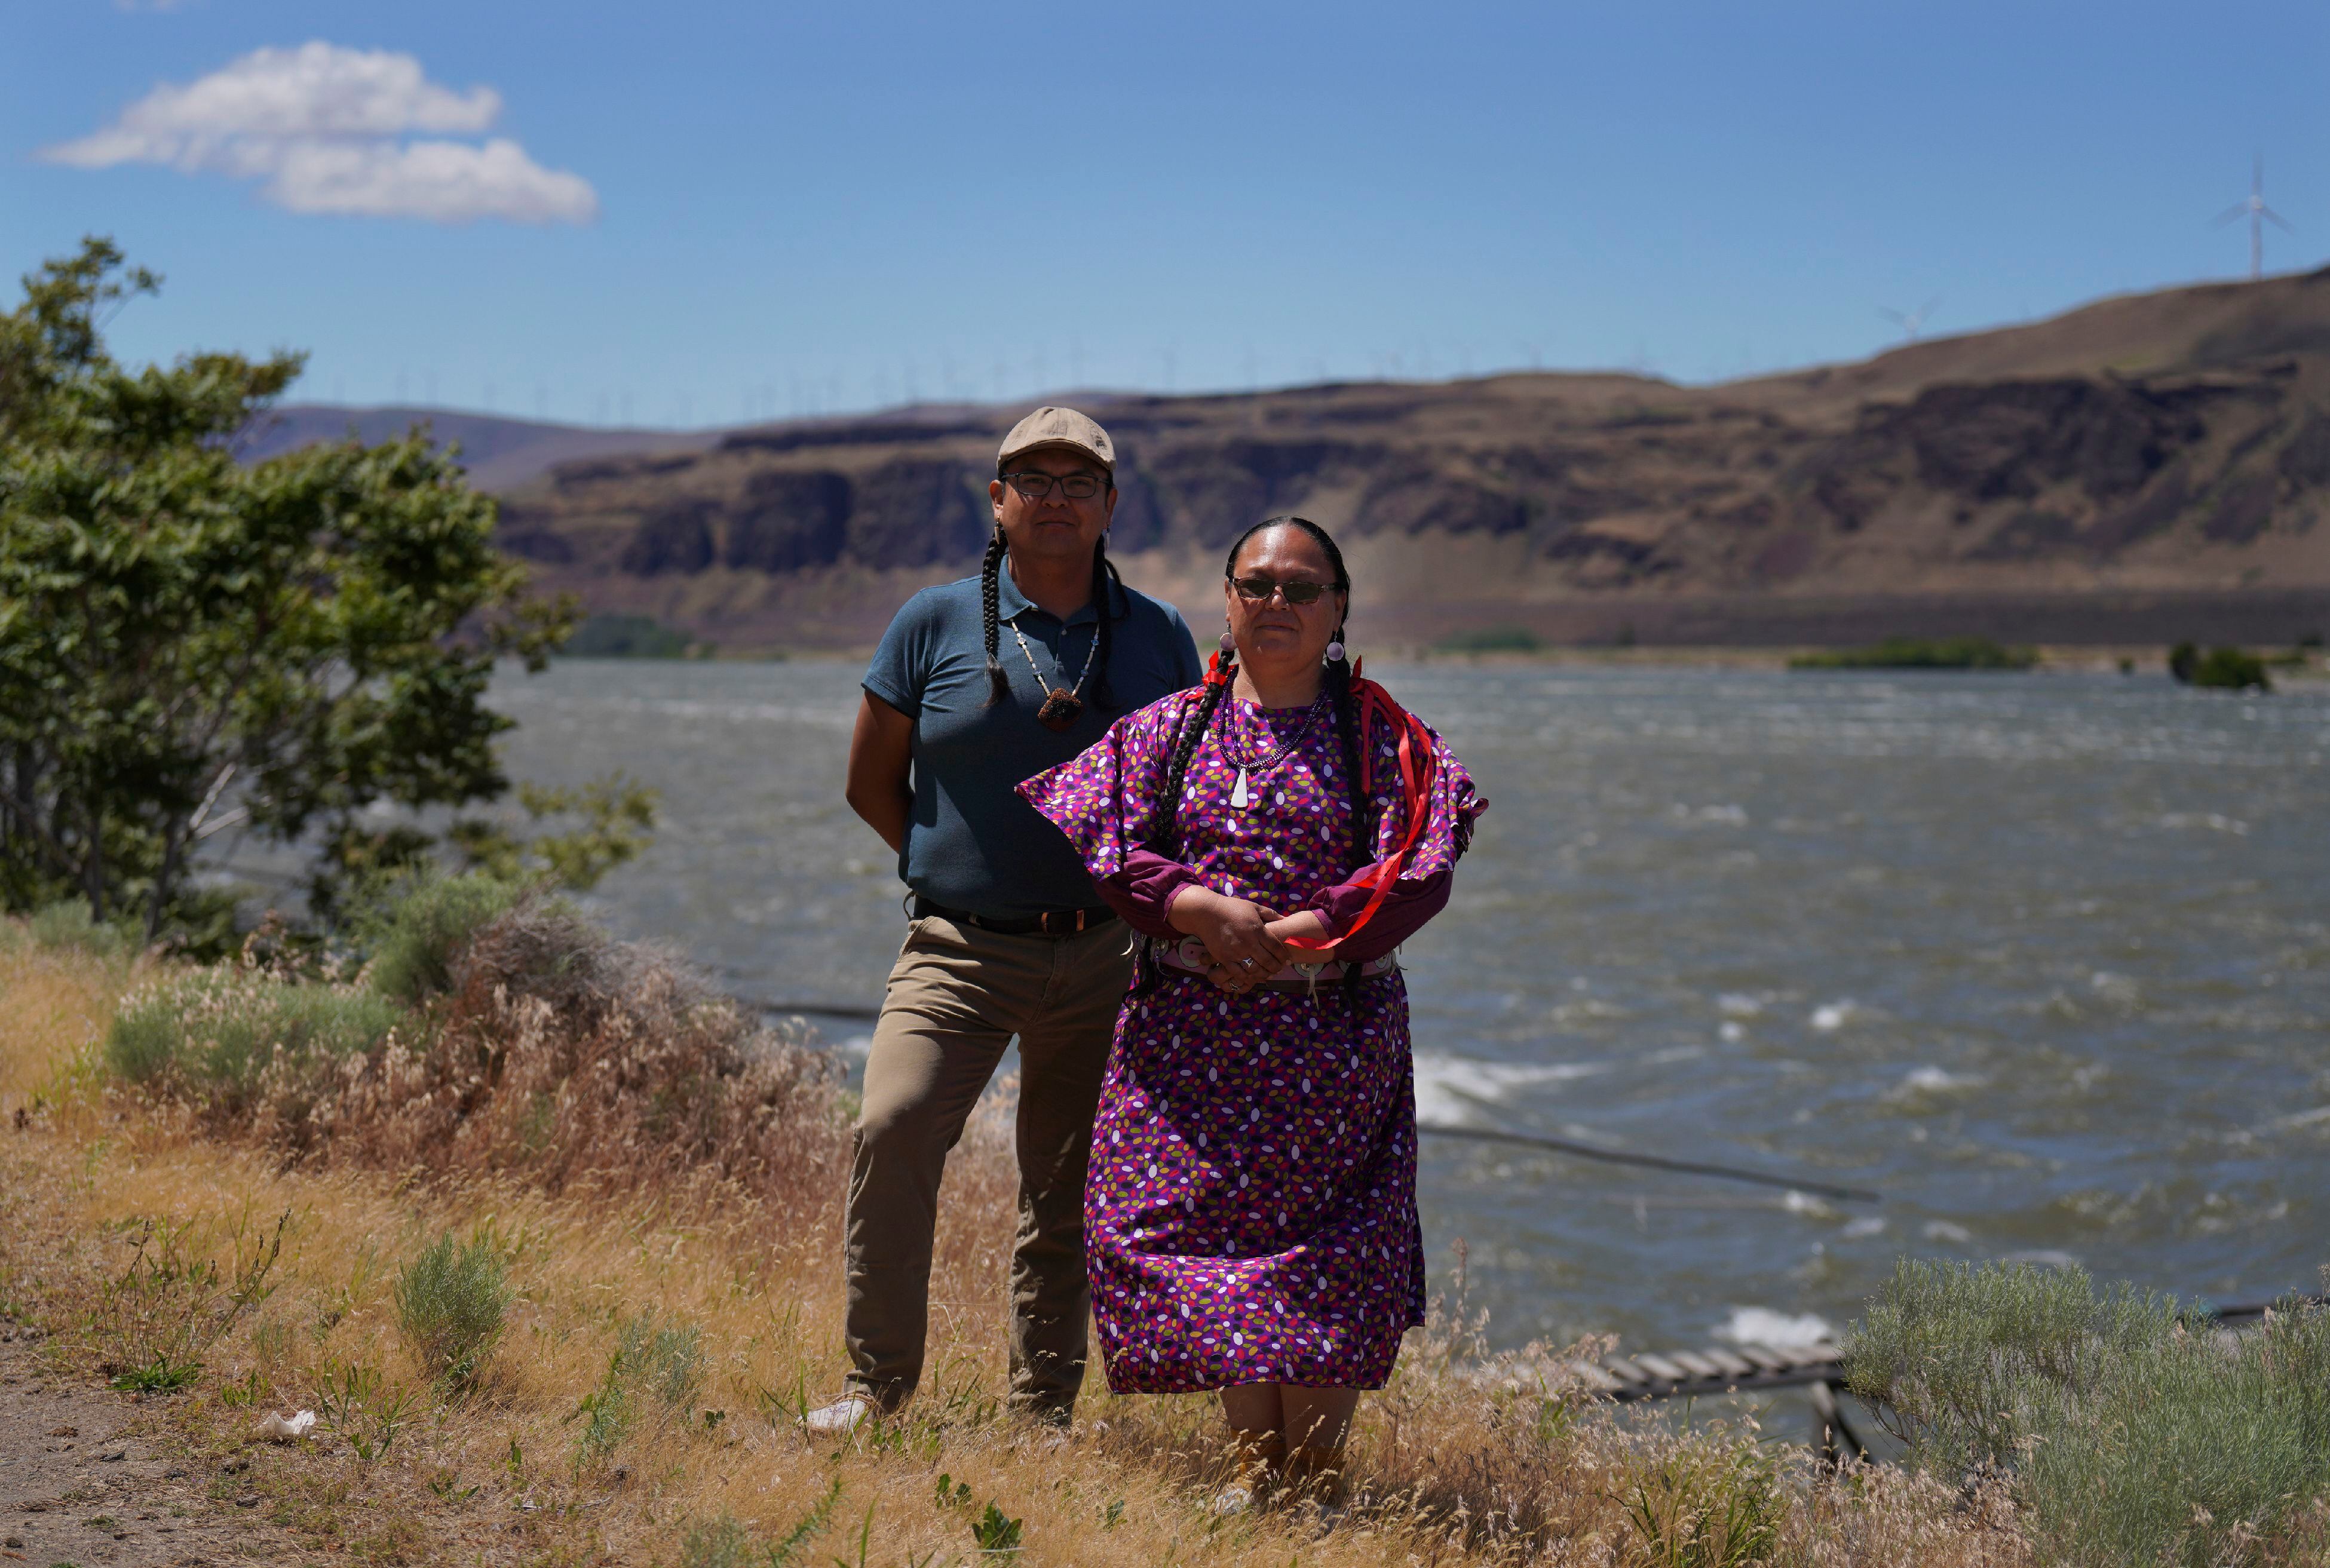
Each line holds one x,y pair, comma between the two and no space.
1240,796
1061,705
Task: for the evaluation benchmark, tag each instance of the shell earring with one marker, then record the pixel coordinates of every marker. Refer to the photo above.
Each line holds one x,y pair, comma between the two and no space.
1335,652
1229,643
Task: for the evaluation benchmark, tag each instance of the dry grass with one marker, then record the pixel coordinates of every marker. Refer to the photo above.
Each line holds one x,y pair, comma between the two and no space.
557,1457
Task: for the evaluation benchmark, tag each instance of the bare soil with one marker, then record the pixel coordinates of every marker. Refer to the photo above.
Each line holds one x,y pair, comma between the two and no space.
89,1475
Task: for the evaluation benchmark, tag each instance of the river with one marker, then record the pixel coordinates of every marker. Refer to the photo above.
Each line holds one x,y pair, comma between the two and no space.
2042,958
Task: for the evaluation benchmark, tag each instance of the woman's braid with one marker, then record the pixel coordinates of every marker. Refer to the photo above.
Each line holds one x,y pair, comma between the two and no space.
1162,831
990,571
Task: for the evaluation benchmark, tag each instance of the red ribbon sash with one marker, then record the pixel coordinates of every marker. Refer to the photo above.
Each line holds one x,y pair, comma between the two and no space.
1417,770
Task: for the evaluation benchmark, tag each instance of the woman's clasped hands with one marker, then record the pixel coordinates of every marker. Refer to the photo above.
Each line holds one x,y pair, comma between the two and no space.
1247,941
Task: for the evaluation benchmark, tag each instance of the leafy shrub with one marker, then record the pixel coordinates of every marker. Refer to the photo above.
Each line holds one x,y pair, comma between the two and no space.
415,926
69,924
450,1303
2225,669
1914,653
2130,1433
226,1039
625,636
665,1362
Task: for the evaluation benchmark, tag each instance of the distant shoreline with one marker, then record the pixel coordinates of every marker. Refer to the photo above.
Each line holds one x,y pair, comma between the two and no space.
2057,658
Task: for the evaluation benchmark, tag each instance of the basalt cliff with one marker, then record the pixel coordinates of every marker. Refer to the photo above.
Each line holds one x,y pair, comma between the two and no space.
2145,469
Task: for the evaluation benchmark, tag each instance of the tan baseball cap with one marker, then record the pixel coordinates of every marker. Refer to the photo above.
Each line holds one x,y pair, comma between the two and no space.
1051,426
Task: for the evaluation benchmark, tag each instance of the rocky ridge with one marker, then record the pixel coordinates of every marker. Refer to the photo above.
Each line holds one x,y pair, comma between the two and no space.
2147,467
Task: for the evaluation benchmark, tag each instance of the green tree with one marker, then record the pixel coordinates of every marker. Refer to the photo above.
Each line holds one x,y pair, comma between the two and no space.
188,642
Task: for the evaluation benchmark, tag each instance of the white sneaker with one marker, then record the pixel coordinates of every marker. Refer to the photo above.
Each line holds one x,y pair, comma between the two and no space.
843,1416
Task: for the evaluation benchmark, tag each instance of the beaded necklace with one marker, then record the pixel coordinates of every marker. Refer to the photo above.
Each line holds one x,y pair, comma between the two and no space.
1240,796
1061,704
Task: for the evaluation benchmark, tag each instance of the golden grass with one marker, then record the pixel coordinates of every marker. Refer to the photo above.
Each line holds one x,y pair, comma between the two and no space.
1459,1463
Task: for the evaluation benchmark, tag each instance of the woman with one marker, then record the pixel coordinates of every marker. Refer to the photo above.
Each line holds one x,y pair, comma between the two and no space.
1250,1217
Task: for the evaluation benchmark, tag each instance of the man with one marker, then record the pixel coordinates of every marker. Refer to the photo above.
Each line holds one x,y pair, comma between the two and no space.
977,685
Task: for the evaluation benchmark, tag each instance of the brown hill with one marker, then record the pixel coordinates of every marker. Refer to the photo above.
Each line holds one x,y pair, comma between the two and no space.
2145,468
499,453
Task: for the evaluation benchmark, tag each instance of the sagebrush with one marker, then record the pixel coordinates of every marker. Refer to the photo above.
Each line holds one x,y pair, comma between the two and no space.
2129,1431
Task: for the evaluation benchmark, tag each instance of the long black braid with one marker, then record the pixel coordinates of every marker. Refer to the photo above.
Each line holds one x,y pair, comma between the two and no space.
1163,828
990,577
998,685
1103,605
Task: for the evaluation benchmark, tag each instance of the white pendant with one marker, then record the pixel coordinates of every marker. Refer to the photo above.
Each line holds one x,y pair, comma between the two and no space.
1238,791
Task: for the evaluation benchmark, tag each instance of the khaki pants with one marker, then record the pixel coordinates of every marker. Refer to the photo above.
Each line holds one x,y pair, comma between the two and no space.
956,997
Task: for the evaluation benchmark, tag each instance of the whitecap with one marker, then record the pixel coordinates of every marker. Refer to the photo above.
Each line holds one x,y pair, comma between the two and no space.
1450,1088
1933,1081
1739,1004
1778,1331
1943,1231
2040,1258
1867,1225
1830,1016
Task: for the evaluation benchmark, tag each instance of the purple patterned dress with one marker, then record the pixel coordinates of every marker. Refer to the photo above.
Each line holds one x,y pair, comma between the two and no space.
1250,1215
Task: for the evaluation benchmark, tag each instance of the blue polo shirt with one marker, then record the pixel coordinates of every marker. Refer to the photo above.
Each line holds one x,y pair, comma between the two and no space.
972,842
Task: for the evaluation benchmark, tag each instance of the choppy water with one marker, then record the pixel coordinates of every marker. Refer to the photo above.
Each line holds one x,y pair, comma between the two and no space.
2045,958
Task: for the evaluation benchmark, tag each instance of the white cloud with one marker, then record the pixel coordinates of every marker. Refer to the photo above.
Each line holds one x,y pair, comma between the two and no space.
332,131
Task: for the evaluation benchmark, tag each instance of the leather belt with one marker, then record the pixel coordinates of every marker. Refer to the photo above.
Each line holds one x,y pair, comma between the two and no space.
1188,957
1052,922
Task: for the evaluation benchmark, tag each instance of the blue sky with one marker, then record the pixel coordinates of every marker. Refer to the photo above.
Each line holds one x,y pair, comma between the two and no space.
707,213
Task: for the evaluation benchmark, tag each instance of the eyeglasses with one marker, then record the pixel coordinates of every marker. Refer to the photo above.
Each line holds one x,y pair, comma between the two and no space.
1075,486
1296,589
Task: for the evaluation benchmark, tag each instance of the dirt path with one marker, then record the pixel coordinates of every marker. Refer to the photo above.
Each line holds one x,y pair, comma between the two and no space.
87,1477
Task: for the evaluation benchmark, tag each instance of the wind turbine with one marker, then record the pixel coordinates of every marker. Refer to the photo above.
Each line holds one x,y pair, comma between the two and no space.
2258,212
1911,321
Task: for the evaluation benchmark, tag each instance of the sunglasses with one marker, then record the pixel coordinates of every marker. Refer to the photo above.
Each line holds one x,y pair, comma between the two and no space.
1296,589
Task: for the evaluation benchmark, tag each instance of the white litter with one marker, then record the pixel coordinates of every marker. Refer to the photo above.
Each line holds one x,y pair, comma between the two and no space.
284,1428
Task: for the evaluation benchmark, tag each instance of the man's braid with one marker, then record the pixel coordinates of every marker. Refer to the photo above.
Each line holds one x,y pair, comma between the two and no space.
998,685
1104,574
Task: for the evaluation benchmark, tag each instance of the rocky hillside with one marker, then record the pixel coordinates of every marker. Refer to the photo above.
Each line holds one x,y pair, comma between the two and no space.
2149,467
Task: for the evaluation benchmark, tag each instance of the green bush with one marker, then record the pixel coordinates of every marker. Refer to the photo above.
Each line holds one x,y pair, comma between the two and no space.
625,636
2227,669
415,926
69,924
1913,653
213,1034
2130,1432
665,1362
450,1305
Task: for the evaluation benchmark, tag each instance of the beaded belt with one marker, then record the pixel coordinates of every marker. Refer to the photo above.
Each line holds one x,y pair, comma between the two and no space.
1189,956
